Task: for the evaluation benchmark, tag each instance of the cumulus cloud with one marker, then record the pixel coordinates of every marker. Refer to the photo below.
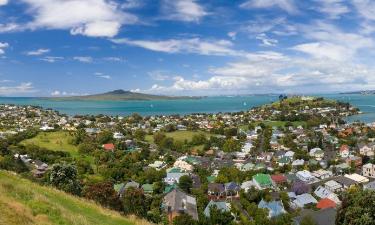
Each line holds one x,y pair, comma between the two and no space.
51,59
286,5
103,19
83,59
3,2
22,88
3,45
193,45
40,51
328,41
366,8
183,10
333,8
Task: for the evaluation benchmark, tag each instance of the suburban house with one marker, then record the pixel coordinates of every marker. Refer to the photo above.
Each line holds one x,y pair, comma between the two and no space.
344,151
355,160
368,170
321,217
222,206
216,190
301,200
177,202
110,147
173,176
305,176
357,178
275,208
317,153
262,181
366,150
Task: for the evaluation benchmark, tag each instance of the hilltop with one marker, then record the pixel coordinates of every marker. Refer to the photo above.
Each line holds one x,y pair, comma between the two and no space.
122,95
25,202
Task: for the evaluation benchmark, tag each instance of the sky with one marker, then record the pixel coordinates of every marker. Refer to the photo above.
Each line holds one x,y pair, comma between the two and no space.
186,47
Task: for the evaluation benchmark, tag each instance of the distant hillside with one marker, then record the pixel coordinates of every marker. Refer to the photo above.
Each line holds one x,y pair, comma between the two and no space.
121,95
367,92
25,202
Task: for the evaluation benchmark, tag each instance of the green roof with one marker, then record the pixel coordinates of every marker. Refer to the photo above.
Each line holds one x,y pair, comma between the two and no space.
174,170
211,179
263,179
118,187
169,188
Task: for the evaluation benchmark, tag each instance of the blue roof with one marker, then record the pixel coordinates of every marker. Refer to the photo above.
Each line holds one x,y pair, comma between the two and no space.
275,208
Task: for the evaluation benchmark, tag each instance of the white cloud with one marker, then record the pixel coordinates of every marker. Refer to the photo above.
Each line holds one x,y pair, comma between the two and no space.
266,41
328,41
366,8
286,5
158,75
40,51
232,35
52,59
132,4
193,45
114,59
83,59
63,93
95,18
183,10
9,27
3,45
333,8
22,88
3,2
104,76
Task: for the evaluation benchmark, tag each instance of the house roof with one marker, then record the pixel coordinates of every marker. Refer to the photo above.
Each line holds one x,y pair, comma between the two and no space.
215,187
109,147
178,201
321,217
278,178
148,187
275,208
222,206
325,203
263,179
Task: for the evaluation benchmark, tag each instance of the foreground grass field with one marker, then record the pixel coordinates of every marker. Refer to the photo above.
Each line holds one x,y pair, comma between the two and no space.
23,202
179,135
56,141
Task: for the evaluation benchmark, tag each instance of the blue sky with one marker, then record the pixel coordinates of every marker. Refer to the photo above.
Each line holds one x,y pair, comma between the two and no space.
186,47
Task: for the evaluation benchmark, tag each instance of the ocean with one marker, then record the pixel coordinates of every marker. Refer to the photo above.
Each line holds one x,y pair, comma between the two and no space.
366,103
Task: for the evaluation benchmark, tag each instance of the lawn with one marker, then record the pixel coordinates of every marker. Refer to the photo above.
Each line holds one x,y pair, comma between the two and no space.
179,135
55,141
25,202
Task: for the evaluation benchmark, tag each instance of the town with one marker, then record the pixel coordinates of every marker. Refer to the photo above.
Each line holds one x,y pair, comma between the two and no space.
295,161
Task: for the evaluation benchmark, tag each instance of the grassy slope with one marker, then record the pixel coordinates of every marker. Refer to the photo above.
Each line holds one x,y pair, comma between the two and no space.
24,202
55,141
179,135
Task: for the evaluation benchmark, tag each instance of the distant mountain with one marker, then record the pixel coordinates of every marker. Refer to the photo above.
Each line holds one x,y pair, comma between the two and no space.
121,95
367,92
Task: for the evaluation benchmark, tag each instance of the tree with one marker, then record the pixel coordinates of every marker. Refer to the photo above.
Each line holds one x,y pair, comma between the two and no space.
64,177
198,139
357,208
307,220
105,137
104,194
134,202
140,134
185,183
184,219
86,148
231,145
219,217
158,137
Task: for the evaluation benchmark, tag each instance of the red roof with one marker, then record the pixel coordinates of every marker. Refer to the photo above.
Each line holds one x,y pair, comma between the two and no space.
278,178
344,148
109,147
326,203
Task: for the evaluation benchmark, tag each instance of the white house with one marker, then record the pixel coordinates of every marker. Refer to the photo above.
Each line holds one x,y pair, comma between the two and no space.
317,153
368,170
305,176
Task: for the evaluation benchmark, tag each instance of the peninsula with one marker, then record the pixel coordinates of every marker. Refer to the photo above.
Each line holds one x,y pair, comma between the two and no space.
122,95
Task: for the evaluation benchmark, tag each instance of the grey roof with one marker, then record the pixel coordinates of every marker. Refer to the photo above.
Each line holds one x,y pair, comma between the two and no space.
222,206
177,201
321,217
370,186
345,181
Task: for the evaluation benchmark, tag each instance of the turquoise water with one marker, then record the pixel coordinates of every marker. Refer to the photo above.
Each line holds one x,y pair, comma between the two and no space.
182,107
